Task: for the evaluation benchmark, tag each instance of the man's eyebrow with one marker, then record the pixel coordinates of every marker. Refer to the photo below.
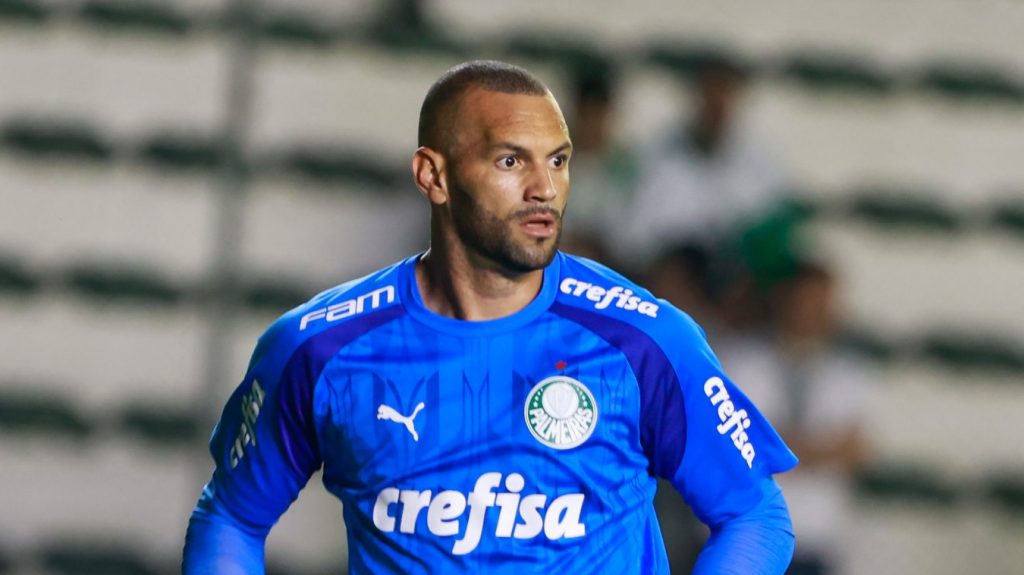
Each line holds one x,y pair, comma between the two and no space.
523,151
567,146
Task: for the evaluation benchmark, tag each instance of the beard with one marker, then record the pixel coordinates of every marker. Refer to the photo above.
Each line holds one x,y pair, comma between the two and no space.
493,237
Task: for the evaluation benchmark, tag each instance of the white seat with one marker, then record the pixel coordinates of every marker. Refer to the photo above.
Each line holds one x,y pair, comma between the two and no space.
61,215
328,237
126,84
902,284
102,356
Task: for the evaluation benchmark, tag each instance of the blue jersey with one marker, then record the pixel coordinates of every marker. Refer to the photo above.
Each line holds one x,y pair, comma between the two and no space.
521,444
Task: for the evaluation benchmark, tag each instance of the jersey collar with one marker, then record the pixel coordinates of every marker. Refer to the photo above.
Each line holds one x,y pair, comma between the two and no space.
413,303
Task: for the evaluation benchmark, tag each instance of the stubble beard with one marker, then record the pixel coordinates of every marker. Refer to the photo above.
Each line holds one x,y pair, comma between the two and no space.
493,237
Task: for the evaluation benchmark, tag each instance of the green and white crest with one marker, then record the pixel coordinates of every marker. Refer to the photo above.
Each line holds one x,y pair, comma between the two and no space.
560,412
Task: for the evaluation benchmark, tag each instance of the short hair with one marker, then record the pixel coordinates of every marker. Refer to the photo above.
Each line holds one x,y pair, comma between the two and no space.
439,104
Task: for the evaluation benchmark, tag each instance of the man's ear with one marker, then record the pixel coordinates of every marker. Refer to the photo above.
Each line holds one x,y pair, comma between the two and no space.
428,171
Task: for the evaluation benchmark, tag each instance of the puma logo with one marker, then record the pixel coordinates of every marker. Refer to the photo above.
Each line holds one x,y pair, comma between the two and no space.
389,413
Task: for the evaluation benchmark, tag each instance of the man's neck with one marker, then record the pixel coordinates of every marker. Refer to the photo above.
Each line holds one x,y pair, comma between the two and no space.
452,285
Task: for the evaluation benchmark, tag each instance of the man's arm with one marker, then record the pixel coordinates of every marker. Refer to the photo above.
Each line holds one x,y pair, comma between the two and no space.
704,435
759,541
265,449
217,543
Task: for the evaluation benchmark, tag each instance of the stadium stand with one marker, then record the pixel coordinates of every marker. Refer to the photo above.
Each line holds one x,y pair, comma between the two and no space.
901,122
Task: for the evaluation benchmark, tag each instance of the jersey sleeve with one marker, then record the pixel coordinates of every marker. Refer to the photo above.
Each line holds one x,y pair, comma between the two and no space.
704,435
730,450
264,449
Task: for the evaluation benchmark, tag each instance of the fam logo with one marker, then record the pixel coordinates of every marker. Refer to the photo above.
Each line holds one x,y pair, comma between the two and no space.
560,412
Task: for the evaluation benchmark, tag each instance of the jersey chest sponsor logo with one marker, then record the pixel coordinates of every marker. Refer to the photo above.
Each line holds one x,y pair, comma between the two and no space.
621,297
519,516
351,307
733,422
560,412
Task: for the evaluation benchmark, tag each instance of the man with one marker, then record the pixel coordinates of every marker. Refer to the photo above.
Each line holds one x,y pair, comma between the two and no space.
493,405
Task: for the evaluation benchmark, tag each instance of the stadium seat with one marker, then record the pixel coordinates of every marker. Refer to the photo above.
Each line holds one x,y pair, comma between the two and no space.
105,283
87,556
162,425
685,59
570,53
965,352
970,81
33,413
274,295
1005,490
1009,217
874,346
333,167
840,73
900,209
402,26
16,279
298,29
174,151
149,17
24,11
907,482
55,138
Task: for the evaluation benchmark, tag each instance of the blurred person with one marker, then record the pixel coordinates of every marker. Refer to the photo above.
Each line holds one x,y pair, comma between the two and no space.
816,393
492,404
703,180
604,170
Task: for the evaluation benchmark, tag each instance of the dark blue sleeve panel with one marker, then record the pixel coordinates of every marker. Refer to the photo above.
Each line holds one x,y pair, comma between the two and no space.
264,449
759,542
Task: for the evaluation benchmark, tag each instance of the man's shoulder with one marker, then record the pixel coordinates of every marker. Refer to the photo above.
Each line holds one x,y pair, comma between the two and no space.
353,303
591,289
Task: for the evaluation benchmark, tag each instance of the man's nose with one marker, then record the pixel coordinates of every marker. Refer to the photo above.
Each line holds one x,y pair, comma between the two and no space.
542,186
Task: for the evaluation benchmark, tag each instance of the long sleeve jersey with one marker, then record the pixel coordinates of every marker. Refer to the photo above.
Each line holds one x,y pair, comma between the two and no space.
529,443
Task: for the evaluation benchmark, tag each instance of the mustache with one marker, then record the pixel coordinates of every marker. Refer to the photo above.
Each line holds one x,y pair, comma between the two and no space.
537,211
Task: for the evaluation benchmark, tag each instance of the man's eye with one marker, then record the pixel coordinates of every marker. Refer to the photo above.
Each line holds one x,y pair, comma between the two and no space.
559,161
509,161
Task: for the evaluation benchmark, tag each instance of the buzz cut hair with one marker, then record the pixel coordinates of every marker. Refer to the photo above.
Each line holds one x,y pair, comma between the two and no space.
437,115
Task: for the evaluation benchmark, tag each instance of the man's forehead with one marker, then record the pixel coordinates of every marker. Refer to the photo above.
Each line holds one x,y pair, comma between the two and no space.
493,116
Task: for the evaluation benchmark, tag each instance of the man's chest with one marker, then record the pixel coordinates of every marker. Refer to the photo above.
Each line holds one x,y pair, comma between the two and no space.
448,409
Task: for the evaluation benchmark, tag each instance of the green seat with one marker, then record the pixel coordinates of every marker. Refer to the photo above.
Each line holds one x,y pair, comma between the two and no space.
131,285
1009,217
181,152
15,279
161,425
686,60
962,81
296,29
274,296
46,139
33,413
967,352
906,483
24,11
901,209
869,345
402,26
837,73
286,27
574,54
82,556
332,167
142,16
1006,491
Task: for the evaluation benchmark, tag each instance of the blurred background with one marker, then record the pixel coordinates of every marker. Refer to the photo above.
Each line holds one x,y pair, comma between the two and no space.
834,189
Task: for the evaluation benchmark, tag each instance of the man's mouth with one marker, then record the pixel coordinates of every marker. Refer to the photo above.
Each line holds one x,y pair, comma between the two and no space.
539,225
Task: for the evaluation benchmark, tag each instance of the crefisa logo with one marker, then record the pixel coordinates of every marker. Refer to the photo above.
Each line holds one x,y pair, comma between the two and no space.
560,412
